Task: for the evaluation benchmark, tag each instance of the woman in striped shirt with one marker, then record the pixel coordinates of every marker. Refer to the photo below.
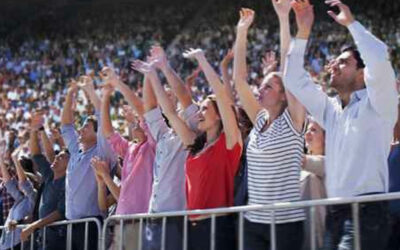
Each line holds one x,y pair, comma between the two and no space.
276,143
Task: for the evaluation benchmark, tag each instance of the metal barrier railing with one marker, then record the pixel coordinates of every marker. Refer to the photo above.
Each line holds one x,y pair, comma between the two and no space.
68,224
120,219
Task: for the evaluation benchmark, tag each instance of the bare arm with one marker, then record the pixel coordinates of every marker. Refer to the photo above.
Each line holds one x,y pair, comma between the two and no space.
249,102
149,98
86,83
160,61
187,136
47,145
226,77
102,169
296,109
50,218
108,130
4,171
229,121
20,171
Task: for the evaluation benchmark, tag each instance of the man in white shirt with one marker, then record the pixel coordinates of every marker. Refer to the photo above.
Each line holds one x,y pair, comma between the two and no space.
358,123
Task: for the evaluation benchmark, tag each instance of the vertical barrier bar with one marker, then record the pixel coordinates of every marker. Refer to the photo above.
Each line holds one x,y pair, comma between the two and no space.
213,232
32,240
312,229
69,236
273,230
22,245
86,236
12,239
44,238
140,234
121,234
241,229
163,232
185,232
356,225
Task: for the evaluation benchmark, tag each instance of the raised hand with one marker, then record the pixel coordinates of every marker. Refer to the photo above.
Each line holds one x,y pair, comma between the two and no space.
86,83
246,19
109,76
193,53
269,63
128,113
107,90
101,167
37,120
158,57
304,17
345,17
142,67
282,7
72,86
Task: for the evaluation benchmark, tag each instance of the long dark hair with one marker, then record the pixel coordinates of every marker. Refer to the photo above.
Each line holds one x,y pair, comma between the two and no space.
201,139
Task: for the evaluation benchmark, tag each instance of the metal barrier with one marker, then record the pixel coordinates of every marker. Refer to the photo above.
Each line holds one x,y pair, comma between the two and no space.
120,219
68,224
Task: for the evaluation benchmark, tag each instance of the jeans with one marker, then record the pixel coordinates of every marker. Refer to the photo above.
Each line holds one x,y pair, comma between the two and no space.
289,236
153,232
374,226
394,239
200,232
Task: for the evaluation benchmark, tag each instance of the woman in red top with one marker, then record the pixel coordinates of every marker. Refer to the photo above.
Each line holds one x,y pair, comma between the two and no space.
212,163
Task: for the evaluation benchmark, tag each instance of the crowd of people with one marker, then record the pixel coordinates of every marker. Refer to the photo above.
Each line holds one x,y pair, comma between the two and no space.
130,114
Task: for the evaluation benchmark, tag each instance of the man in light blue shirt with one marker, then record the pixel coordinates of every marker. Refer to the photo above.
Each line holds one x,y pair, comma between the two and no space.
358,123
83,144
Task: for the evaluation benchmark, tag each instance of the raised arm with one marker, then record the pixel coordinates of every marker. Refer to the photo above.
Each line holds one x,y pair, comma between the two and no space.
20,171
86,83
110,77
296,109
224,103
36,123
159,59
149,98
249,102
296,78
67,116
47,145
4,171
108,130
379,75
187,136
226,77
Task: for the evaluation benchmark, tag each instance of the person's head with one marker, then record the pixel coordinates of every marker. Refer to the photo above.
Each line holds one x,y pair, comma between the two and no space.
271,93
88,132
60,163
347,71
245,124
209,117
315,138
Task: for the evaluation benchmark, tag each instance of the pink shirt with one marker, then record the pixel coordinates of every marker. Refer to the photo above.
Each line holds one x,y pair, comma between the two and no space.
137,173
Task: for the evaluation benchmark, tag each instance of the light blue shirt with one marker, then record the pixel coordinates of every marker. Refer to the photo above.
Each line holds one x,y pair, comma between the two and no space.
23,206
81,186
168,192
358,137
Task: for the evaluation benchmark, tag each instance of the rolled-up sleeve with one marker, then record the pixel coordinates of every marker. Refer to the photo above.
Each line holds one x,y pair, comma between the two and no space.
191,116
118,144
27,188
104,148
156,123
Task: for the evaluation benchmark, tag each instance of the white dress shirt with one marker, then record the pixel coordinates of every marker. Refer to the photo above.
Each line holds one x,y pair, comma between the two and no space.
357,137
